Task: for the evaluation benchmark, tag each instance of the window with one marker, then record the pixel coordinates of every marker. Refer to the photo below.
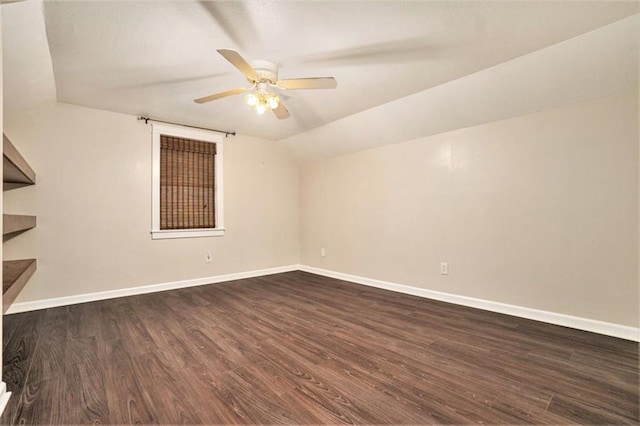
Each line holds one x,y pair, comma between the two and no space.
187,183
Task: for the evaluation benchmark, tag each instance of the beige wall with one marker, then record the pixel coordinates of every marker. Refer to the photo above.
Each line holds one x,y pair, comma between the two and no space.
539,211
93,202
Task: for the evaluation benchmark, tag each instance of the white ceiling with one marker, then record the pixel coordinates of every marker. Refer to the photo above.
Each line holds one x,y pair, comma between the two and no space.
27,71
600,63
142,57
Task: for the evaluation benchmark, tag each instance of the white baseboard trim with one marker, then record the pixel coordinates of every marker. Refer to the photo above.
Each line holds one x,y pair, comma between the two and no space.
586,324
4,396
112,294
594,326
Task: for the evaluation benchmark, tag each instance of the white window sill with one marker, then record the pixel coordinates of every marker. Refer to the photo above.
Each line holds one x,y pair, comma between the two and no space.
187,233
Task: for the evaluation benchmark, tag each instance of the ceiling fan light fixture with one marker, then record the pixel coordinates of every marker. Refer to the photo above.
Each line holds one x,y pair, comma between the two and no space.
262,100
263,76
274,101
252,100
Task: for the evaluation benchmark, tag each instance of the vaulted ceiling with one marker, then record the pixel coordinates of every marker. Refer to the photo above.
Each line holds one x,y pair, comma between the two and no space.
154,58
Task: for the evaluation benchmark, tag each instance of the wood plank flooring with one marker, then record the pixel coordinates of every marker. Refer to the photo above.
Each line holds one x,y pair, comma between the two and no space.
304,349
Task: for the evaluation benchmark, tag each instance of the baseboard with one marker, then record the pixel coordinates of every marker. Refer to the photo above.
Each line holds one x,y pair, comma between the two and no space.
4,396
586,324
594,326
112,294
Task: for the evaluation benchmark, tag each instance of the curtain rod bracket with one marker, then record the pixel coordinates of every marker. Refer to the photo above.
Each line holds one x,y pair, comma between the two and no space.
147,119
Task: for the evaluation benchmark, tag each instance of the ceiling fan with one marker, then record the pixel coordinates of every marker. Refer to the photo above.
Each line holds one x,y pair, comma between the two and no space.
263,76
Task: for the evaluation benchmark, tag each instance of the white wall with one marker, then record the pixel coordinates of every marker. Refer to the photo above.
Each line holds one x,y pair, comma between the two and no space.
538,211
93,202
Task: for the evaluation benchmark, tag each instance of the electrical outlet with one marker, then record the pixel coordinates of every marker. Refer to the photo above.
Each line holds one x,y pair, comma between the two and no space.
444,268
323,253
207,257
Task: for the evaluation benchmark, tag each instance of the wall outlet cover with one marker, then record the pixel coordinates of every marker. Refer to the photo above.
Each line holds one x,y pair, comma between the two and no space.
444,268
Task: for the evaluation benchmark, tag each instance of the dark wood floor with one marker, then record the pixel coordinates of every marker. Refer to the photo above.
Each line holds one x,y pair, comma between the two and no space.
299,348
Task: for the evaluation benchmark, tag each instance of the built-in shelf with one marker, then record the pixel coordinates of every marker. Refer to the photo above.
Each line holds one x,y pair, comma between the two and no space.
15,274
13,224
16,172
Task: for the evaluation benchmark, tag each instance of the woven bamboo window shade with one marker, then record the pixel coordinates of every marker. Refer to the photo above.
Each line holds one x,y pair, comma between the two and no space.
187,183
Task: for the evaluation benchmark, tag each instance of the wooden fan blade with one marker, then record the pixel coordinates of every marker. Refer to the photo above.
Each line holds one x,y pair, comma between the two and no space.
281,112
239,62
308,83
221,95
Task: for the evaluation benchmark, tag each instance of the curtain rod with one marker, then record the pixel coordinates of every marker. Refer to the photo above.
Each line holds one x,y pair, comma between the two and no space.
147,120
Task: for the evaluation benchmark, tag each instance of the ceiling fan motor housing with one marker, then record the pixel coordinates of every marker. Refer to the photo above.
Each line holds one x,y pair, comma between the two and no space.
267,71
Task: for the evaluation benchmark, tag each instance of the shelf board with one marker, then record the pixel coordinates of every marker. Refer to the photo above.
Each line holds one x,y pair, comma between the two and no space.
17,171
16,223
15,274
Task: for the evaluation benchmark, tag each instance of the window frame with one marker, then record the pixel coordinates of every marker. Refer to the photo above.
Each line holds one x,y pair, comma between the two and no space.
187,133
